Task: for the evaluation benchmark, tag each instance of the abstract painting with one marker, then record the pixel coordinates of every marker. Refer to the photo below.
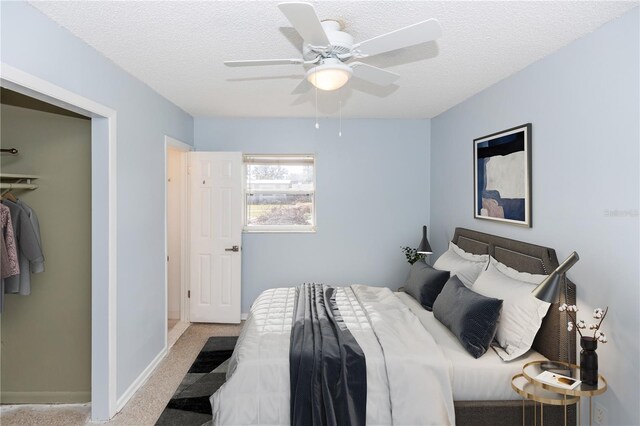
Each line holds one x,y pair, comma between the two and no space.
502,178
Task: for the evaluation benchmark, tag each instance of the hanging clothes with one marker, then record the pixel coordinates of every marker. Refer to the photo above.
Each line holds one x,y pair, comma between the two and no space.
28,247
9,264
36,266
8,249
5,270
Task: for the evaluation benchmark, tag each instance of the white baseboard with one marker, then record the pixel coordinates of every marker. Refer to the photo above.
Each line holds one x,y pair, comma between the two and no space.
45,397
244,316
142,378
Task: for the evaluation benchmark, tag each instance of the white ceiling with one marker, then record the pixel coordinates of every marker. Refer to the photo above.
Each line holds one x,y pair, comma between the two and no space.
178,48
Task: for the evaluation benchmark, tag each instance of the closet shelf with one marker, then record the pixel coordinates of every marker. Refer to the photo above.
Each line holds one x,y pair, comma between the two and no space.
17,176
18,181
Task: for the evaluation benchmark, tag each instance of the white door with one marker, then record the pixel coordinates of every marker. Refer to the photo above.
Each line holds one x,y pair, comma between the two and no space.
216,232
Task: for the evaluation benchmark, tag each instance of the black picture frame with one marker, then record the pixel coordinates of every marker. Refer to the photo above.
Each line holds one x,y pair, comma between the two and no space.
502,176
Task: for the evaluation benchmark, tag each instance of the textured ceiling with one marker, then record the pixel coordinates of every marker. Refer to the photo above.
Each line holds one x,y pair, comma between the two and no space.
178,48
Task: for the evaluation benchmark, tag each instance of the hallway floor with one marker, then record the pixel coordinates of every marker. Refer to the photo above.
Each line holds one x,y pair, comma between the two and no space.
171,323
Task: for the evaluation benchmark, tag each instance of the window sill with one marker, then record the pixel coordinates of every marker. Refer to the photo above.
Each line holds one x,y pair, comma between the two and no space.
279,230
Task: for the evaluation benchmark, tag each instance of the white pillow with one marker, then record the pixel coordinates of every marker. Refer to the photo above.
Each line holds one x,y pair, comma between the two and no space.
465,265
522,313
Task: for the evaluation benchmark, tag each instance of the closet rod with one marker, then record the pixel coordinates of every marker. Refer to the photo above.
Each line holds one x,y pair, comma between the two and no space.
9,150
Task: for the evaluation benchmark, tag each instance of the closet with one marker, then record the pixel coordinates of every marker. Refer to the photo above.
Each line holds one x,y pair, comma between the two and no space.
45,354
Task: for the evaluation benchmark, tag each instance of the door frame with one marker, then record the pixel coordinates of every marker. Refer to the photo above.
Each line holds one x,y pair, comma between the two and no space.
103,228
177,145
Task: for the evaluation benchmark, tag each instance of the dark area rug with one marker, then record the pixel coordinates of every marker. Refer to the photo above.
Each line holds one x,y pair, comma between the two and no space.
189,405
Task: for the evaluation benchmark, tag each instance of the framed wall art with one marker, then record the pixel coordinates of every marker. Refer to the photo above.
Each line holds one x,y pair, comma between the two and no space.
502,176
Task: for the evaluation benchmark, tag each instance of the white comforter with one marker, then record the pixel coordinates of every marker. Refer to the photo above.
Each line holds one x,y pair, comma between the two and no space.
408,378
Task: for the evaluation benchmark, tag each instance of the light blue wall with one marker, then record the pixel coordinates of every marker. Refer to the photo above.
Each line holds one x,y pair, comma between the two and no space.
376,189
583,102
371,199
37,45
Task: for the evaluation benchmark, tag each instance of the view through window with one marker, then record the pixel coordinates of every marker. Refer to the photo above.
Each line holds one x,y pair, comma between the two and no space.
280,192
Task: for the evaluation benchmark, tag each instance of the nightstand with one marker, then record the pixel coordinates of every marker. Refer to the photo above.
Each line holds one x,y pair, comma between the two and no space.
526,385
528,390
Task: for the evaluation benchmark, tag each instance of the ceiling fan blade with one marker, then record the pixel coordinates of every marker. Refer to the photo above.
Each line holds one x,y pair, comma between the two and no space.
404,37
304,19
255,62
373,74
301,88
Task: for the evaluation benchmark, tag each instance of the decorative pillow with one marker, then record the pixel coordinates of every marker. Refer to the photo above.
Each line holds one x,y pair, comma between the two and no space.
465,265
522,313
425,283
471,317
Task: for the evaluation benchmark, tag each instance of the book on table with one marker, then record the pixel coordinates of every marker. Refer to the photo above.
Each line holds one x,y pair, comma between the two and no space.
557,380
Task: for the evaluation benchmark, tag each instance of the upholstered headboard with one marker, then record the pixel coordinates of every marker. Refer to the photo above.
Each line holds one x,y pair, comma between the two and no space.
551,340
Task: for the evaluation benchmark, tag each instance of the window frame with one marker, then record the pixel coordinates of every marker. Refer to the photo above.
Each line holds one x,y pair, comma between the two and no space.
268,229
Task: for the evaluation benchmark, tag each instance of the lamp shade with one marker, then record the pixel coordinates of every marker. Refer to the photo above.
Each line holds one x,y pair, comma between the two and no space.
424,247
331,74
549,289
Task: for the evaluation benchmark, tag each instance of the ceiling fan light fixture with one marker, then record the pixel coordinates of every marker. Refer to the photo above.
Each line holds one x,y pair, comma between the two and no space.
331,74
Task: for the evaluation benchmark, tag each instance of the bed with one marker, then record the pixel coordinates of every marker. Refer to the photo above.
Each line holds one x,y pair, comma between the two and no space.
412,363
551,340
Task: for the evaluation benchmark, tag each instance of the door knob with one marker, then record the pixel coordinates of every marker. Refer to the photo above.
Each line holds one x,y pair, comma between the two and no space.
234,248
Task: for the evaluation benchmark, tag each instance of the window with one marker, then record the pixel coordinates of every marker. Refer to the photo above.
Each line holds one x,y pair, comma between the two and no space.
279,193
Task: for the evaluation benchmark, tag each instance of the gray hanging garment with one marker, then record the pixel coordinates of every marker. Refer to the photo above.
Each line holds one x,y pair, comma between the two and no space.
37,266
28,250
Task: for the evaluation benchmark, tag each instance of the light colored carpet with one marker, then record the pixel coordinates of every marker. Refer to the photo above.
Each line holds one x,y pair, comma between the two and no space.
171,323
50,415
146,405
175,333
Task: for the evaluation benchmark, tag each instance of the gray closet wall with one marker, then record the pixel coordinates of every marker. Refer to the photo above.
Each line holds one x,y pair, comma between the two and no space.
46,336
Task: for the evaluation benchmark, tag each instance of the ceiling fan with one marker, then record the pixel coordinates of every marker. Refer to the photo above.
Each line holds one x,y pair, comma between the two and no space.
327,51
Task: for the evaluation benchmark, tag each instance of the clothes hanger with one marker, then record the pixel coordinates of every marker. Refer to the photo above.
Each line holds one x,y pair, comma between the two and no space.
9,196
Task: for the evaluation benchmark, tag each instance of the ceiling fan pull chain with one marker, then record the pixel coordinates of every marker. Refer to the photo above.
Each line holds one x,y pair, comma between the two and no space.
317,124
340,112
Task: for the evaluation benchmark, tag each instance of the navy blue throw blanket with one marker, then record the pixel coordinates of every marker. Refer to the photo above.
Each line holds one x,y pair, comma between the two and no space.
327,367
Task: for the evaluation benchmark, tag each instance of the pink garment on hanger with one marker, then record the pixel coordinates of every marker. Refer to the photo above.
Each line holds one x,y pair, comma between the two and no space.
8,248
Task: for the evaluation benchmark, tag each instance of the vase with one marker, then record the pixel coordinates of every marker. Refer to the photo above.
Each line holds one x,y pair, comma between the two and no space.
589,361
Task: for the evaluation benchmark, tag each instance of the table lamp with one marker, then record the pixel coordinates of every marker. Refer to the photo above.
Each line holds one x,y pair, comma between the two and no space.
424,247
548,291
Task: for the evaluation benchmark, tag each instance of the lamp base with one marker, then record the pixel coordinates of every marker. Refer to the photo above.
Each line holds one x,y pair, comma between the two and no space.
556,367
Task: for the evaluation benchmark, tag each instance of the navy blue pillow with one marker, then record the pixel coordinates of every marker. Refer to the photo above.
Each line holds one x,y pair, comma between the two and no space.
425,283
471,317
